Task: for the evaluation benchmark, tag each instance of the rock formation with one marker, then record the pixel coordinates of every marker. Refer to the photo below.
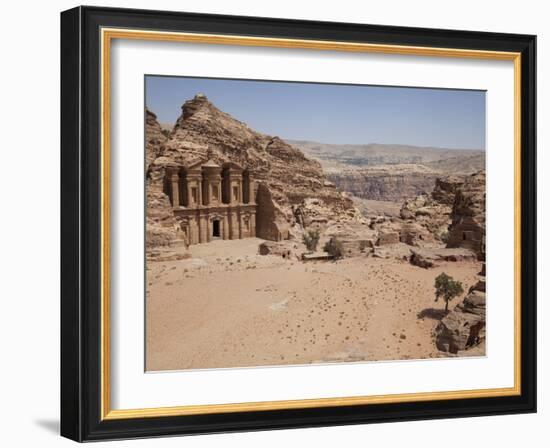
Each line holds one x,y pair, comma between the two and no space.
428,258
285,178
154,138
464,327
161,225
468,215
447,224
431,214
386,182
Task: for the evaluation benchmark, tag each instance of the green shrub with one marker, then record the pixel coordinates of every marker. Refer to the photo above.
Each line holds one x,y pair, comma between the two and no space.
334,247
448,288
311,239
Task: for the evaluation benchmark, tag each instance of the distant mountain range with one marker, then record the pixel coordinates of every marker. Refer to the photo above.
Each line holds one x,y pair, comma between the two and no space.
389,172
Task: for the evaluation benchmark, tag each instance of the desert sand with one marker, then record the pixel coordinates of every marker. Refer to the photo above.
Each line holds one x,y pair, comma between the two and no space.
227,306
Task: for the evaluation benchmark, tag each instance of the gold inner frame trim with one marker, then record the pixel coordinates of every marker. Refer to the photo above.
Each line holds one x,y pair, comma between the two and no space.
107,35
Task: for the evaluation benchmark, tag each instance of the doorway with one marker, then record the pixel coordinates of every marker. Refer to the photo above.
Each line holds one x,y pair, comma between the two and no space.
216,228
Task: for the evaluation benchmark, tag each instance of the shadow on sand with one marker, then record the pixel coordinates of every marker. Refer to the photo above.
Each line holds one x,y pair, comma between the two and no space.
432,313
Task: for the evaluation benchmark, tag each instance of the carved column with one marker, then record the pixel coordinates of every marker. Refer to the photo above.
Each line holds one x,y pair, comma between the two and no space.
240,225
212,183
251,186
234,225
252,225
174,179
225,227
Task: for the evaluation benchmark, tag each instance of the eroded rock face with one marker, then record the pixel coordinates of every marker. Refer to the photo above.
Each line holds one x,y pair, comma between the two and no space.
271,221
431,212
386,182
387,237
446,189
285,178
154,138
464,327
160,224
468,215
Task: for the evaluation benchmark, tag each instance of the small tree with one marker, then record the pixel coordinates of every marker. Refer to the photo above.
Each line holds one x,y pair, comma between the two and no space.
448,288
311,239
334,247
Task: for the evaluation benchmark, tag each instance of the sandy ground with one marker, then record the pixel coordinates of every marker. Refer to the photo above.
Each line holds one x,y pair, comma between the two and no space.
229,307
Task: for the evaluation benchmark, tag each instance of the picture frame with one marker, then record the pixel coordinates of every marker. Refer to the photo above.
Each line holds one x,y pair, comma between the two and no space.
86,37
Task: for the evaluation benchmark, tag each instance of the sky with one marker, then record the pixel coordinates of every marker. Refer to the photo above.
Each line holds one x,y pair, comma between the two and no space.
334,113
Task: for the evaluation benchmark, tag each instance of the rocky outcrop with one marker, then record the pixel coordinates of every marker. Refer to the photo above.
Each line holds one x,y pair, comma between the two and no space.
285,178
468,215
282,250
271,221
154,138
464,327
399,251
160,223
428,216
446,189
452,216
428,258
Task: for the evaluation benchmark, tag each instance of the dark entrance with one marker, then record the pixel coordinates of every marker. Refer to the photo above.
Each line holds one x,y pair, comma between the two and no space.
216,228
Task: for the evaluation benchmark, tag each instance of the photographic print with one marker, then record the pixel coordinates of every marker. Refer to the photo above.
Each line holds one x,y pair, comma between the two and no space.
294,223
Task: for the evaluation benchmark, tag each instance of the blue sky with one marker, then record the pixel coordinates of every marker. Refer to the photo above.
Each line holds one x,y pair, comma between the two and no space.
334,113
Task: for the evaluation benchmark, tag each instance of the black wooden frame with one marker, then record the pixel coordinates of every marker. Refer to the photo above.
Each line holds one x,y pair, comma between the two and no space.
80,223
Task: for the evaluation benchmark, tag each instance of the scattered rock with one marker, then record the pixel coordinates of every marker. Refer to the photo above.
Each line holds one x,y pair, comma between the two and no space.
428,258
273,248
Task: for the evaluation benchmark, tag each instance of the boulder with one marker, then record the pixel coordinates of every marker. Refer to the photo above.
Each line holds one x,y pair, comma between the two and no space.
428,258
399,251
459,331
273,248
423,258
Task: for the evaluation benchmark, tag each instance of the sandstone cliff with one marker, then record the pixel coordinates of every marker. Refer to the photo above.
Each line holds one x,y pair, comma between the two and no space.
160,223
285,178
432,212
468,215
386,182
154,138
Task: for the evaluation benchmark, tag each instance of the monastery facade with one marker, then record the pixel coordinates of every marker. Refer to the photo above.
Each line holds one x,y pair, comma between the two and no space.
211,201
